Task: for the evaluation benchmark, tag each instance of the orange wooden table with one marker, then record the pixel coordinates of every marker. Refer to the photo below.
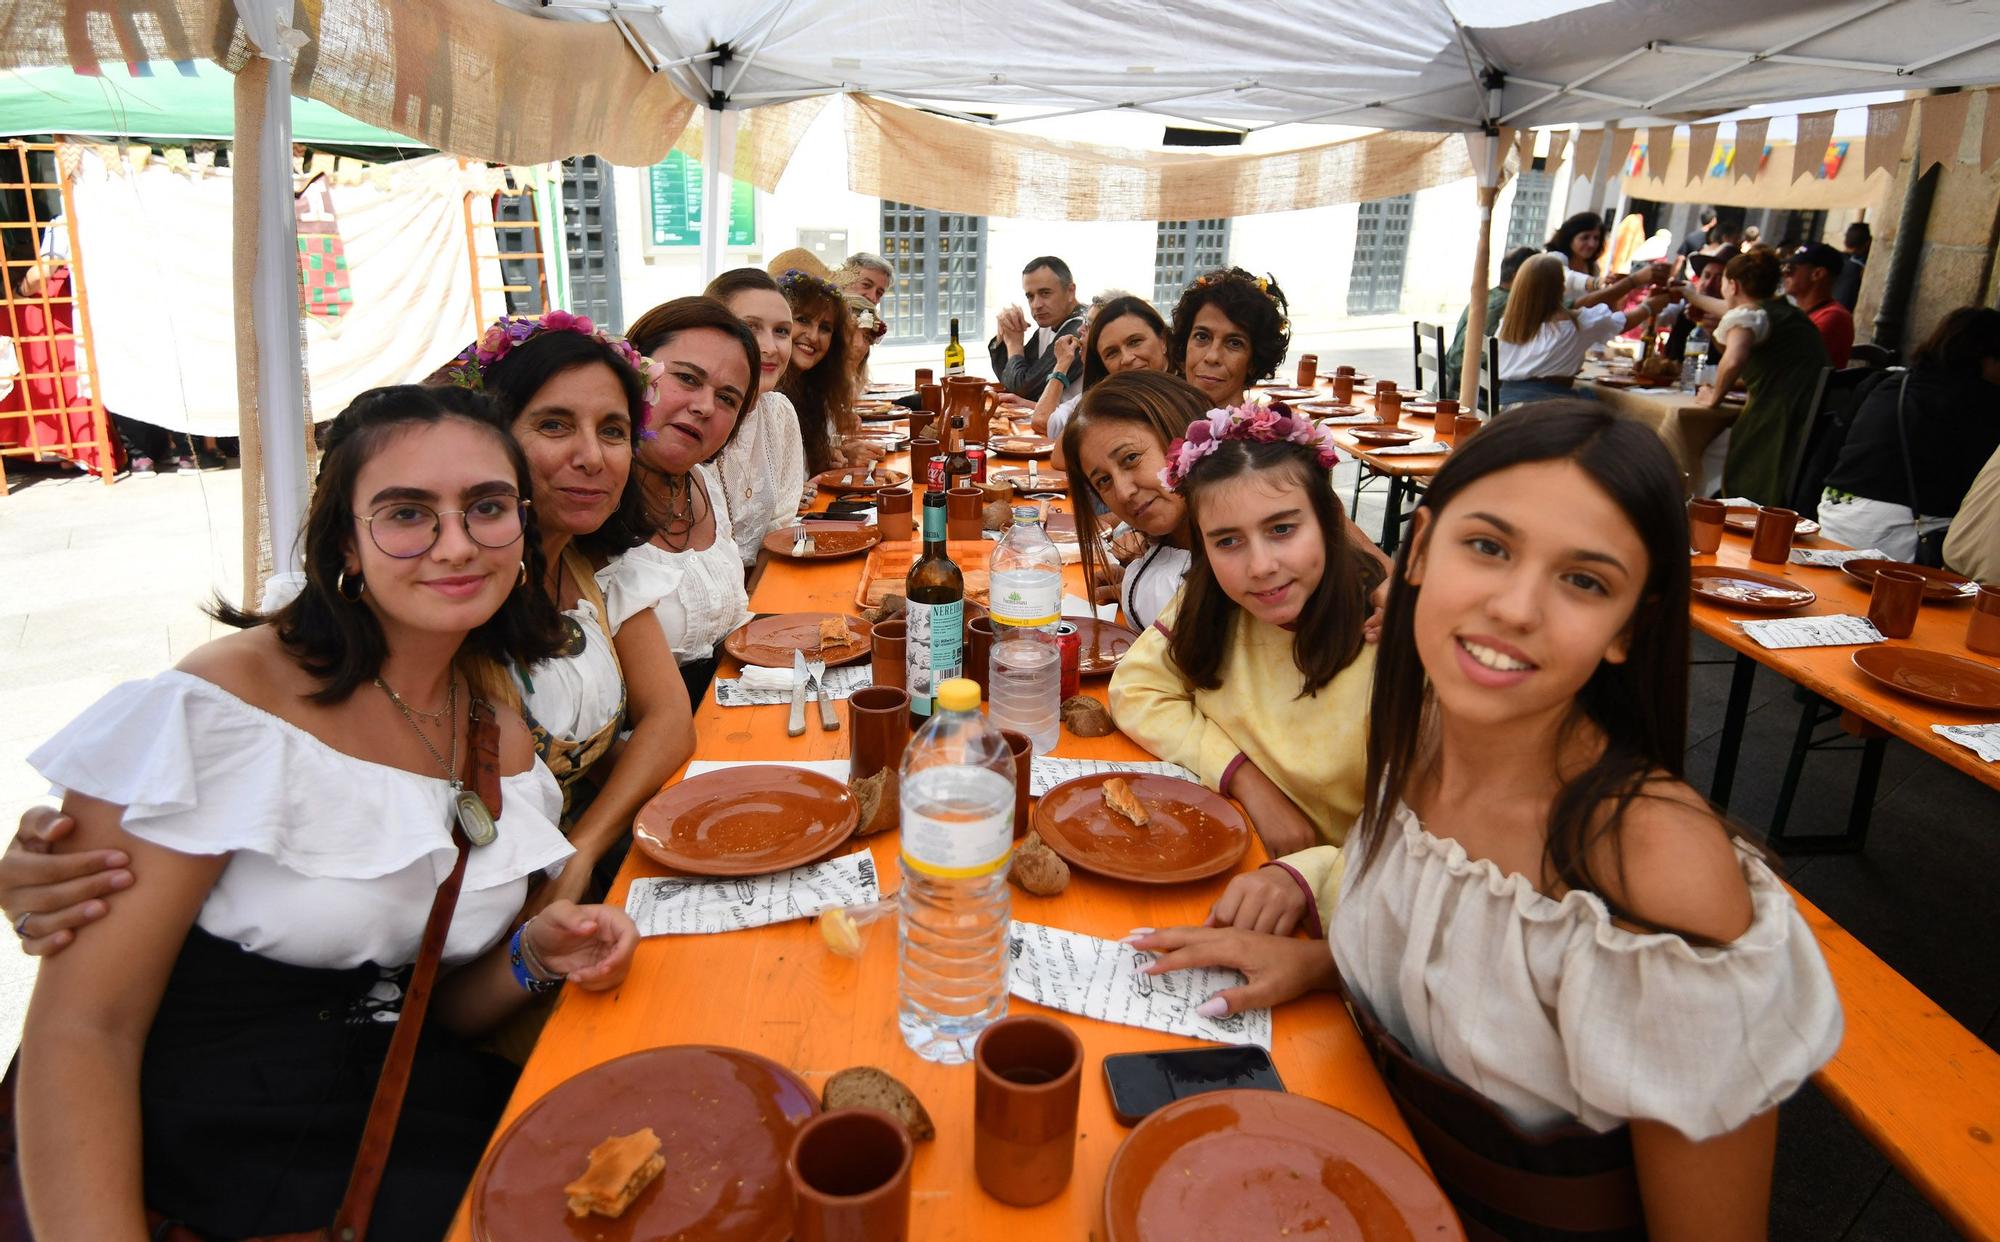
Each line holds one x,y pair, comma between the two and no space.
1830,673
779,992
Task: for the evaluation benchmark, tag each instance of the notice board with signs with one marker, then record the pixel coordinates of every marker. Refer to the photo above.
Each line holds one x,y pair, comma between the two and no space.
674,188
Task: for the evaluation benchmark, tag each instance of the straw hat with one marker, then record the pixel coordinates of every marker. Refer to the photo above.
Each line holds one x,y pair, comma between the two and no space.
800,258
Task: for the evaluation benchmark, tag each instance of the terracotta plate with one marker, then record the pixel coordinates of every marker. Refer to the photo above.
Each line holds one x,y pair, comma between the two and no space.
1194,834
770,641
1940,585
1324,408
1615,381
1265,1164
749,820
1742,521
1360,380
1289,394
1385,435
855,479
1934,677
1021,446
830,540
1100,645
725,1119
1747,589
1022,481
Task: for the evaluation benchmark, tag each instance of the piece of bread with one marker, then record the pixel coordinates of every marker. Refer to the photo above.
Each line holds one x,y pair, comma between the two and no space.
864,1086
870,792
620,1167
1086,717
1119,797
833,631
1037,868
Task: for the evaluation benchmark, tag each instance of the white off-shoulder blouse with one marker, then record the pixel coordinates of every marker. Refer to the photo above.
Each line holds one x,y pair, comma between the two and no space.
1554,1013
697,596
333,860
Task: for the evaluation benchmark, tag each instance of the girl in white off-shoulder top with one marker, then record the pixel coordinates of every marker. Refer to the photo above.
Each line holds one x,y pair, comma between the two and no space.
1587,996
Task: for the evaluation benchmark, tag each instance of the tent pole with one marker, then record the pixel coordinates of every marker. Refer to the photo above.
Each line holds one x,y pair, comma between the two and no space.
267,235
1475,310
718,157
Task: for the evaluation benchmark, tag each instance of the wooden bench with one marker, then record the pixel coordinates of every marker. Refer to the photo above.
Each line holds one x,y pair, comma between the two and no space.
1923,1088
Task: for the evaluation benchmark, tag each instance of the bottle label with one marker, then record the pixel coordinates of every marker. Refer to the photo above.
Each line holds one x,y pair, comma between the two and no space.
958,848
1029,603
934,524
931,651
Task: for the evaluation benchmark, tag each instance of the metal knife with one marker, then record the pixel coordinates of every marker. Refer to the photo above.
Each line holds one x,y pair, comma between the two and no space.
795,724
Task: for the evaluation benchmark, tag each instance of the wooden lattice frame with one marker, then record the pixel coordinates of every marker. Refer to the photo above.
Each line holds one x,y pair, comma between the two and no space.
476,229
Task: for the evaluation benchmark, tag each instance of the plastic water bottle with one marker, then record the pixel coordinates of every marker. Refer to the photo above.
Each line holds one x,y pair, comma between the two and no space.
1694,360
1024,680
957,838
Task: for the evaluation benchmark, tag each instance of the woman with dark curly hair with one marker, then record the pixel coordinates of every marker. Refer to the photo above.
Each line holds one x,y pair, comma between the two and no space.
819,383
1230,330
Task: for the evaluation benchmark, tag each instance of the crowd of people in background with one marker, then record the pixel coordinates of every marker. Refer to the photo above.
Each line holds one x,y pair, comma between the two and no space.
563,525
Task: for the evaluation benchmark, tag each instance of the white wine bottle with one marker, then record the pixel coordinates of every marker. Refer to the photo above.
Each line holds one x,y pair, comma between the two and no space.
954,353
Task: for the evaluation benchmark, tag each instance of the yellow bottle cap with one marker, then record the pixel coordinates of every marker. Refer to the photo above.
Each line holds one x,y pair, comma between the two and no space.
959,694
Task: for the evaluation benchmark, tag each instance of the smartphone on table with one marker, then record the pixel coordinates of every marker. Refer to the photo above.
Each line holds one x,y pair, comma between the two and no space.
1144,1082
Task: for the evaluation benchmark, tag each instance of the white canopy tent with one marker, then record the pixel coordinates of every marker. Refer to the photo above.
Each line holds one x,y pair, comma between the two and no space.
1439,65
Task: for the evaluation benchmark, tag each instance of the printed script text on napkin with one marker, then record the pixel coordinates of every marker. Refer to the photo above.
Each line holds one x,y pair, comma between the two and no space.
1103,979
678,906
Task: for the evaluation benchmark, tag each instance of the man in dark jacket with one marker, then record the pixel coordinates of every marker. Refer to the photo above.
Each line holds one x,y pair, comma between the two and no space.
1022,356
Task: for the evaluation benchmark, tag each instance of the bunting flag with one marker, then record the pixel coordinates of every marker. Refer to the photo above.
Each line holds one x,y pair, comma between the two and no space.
1701,147
1887,125
1989,138
1809,152
1749,149
1558,143
1617,151
1940,126
1659,150
1524,149
1588,143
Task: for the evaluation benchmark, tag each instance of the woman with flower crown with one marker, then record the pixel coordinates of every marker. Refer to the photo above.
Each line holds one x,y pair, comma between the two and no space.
1264,647
1229,331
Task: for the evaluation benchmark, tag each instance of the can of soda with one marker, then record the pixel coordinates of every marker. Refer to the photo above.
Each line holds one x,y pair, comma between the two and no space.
976,454
1069,641
934,473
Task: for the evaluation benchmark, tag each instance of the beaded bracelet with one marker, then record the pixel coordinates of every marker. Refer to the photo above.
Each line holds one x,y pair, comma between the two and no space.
517,958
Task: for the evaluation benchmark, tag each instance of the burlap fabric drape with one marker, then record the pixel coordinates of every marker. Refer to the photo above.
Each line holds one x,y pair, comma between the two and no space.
471,77
912,156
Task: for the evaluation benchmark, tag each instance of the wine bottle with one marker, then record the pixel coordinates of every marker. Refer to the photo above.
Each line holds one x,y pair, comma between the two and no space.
954,353
935,634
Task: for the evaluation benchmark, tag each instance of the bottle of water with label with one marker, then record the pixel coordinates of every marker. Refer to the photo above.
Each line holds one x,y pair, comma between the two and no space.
1694,360
958,838
1024,680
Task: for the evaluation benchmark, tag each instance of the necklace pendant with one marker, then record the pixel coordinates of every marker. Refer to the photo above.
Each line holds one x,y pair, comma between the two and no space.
573,641
473,818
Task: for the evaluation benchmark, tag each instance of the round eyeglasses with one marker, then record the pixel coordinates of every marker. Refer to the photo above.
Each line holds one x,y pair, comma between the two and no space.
405,528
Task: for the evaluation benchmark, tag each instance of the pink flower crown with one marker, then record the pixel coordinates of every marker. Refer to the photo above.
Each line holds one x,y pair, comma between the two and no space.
509,332
1264,424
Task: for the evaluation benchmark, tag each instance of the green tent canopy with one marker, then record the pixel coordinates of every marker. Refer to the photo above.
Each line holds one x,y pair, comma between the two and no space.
167,105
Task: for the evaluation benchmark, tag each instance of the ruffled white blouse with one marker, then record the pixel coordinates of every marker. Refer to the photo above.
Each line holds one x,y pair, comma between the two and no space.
697,596
1151,581
333,860
763,473
574,697
1755,318
1553,1012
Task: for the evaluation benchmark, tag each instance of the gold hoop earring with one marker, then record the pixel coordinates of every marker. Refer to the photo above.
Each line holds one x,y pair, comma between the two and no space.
340,585
522,580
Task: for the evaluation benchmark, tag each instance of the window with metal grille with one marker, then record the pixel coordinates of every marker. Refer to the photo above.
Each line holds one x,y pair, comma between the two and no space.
1528,219
939,274
590,240
1381,243
1184,250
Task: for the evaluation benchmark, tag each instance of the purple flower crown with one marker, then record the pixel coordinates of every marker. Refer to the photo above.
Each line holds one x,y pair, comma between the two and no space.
509,332
1264,424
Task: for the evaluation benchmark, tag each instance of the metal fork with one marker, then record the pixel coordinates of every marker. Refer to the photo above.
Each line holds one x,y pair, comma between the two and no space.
816,679
802,540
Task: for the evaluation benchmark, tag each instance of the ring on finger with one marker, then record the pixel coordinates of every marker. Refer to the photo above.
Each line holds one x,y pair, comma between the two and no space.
21,926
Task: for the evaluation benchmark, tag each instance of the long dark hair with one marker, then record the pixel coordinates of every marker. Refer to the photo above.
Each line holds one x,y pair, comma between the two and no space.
1260,312
1116,308
826,393
1639,705
1164,404
1962,340
512,382
669,319
338,639
1328,635
1566,233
